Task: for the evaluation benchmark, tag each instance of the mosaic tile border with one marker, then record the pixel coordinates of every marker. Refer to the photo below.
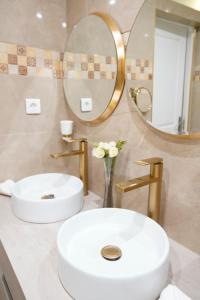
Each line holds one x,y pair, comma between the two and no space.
22,60
89,66
139,69
28,61
142,69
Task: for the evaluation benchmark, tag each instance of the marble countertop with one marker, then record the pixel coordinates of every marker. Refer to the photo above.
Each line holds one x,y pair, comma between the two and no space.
31,249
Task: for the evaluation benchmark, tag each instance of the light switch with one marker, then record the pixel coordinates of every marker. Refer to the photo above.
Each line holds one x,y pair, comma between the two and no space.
33,106
86,104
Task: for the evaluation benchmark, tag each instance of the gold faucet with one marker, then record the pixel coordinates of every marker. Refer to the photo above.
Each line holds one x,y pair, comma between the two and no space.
83,153
154,180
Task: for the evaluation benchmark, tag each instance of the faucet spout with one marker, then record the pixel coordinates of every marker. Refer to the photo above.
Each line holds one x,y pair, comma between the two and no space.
153,180
135,183
64,154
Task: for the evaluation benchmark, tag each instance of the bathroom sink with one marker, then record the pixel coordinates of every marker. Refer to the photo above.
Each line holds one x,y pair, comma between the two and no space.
47,198
112,253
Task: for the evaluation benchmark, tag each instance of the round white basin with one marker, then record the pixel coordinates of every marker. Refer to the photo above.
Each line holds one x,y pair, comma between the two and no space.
47,198
139,274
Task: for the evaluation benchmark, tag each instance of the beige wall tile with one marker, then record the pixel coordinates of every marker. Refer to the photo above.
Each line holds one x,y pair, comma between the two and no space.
26,29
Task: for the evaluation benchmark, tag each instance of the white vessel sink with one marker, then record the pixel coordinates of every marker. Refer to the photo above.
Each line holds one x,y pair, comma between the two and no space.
64,195
140,274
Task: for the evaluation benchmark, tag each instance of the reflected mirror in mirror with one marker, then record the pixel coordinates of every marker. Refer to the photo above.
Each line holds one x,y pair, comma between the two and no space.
163,58
94,68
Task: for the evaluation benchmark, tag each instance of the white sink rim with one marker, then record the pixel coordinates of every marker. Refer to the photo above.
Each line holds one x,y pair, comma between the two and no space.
21,181
27,205
163,258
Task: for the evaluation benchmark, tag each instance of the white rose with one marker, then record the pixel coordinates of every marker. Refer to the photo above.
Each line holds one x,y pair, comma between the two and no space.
98,152
101,145
113,152
106,146
112,144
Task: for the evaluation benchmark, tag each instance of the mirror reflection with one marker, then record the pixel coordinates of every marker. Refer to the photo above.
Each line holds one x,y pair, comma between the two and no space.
91,68
166,62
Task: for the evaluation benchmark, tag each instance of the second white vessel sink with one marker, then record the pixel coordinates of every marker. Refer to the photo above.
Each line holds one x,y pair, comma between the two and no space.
133,267
47,198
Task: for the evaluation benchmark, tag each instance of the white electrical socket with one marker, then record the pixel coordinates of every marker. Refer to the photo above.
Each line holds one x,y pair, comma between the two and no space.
86,104
33,106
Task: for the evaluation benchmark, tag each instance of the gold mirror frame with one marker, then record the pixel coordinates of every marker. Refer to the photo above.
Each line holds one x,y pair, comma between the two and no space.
120,76
168,136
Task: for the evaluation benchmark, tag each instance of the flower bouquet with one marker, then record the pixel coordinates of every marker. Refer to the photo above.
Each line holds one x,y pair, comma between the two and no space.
108,152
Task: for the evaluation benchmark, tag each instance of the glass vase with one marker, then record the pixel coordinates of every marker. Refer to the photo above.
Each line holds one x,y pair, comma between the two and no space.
109,164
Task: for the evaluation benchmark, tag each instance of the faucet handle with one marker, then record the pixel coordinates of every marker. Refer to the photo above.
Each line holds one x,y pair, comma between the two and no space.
150,161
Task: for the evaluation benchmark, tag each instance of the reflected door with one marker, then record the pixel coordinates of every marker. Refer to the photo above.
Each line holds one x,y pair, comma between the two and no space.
170,60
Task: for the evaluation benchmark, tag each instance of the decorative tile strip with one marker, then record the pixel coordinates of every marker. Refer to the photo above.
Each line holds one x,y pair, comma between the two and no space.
27,61
139,69
89,66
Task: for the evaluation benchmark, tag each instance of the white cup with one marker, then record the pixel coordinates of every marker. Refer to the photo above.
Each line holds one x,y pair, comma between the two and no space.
66,127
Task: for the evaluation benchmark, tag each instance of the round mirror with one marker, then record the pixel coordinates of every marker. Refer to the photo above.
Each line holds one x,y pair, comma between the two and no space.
94,68
163,67
143,99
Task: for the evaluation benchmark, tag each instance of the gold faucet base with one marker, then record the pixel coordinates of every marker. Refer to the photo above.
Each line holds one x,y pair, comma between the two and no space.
83,153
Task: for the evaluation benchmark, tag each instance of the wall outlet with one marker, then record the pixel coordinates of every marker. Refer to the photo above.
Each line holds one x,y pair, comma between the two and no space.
33,106
86,104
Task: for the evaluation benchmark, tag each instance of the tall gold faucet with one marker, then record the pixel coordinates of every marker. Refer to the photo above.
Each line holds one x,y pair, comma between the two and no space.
83,163
154,180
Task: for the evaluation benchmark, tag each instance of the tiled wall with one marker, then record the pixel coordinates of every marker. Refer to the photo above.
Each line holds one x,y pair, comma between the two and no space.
19,24
89,66
94,66
28,61
139,69
181,188
31,72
